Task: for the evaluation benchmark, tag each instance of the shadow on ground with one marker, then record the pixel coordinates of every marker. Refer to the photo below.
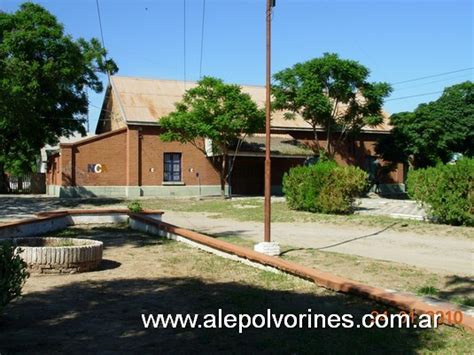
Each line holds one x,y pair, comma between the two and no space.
105,316
13,207
460,288
111,235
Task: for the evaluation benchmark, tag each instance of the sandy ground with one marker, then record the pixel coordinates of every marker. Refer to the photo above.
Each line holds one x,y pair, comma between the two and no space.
436,253
100,311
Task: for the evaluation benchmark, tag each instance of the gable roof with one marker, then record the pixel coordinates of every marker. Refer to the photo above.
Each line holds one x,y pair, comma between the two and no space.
281,145
145,101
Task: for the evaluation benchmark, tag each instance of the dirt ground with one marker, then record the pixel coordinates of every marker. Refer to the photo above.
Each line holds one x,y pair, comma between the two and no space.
451,254
100,311
379,273
438,248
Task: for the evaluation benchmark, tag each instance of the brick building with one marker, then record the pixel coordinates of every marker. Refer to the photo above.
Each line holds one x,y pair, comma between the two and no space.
127,157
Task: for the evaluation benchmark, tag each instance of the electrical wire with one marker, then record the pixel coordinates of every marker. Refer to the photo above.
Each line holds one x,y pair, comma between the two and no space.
100,25
409,97
202,36
432,76
429,82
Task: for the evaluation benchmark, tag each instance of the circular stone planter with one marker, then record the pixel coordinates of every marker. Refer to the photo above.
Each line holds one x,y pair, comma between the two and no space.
59,255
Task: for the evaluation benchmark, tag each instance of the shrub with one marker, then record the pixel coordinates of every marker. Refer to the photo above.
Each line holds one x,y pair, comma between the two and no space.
13,274
135,206
446,190
324,187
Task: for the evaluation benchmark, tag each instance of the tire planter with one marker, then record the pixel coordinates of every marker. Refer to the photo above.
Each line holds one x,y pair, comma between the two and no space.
49,256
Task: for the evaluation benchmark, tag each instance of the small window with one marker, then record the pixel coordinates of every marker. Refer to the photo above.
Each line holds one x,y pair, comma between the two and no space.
172,169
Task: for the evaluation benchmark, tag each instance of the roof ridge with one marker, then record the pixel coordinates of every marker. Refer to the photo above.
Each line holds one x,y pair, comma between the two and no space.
180,81
152,79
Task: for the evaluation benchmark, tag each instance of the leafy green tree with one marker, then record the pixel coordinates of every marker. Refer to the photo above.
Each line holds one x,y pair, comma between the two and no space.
434,131
217,111
332,93
44,75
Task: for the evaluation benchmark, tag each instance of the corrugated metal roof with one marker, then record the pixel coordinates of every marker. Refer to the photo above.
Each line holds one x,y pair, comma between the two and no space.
281,144
147,100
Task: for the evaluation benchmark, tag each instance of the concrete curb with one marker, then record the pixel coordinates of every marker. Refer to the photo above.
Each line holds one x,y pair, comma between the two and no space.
46,222
403,301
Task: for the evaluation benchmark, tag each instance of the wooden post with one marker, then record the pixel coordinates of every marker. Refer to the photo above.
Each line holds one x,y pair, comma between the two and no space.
267,208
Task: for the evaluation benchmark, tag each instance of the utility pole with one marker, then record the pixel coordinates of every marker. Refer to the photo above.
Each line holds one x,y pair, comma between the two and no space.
268,247
268,205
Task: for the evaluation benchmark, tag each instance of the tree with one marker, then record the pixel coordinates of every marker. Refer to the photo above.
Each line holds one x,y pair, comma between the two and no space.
44,75
332,93
217,111
433,131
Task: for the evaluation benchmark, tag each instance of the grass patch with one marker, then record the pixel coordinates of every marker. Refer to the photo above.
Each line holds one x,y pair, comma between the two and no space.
463,301
428,291
65,233
251,209
378,273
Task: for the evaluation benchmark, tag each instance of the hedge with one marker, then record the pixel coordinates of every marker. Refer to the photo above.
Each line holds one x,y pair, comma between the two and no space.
447,191
324,187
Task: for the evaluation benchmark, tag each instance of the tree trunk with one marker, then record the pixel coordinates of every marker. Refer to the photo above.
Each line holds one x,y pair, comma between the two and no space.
223,174
3,180
316,140
329,141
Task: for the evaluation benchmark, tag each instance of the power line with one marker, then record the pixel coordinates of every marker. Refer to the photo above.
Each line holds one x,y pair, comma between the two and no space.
430,82
202,36
432,76
105,54
100,24
409,97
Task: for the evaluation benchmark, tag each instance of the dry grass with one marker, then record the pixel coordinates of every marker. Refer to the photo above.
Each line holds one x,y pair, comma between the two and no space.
251,209
385,274
100,311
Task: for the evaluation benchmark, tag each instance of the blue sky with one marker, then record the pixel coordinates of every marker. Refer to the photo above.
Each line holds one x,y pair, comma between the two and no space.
398,40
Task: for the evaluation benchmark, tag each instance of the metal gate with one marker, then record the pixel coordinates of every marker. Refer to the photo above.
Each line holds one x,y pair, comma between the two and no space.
26,184
19,184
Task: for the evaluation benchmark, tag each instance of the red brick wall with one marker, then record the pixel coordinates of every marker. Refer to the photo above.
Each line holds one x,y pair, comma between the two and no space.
132,157
107,150
152,150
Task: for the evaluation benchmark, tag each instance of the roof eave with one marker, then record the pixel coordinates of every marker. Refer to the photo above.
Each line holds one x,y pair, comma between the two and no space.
309,129
273,155
142,123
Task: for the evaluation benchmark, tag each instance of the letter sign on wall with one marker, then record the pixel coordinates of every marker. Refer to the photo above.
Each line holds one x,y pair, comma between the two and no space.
96,168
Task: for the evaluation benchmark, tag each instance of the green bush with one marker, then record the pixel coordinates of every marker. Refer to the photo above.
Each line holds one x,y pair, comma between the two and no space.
446,190
13,274
324,187
135,206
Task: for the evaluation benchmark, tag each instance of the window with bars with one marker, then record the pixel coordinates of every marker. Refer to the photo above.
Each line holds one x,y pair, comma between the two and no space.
172,168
